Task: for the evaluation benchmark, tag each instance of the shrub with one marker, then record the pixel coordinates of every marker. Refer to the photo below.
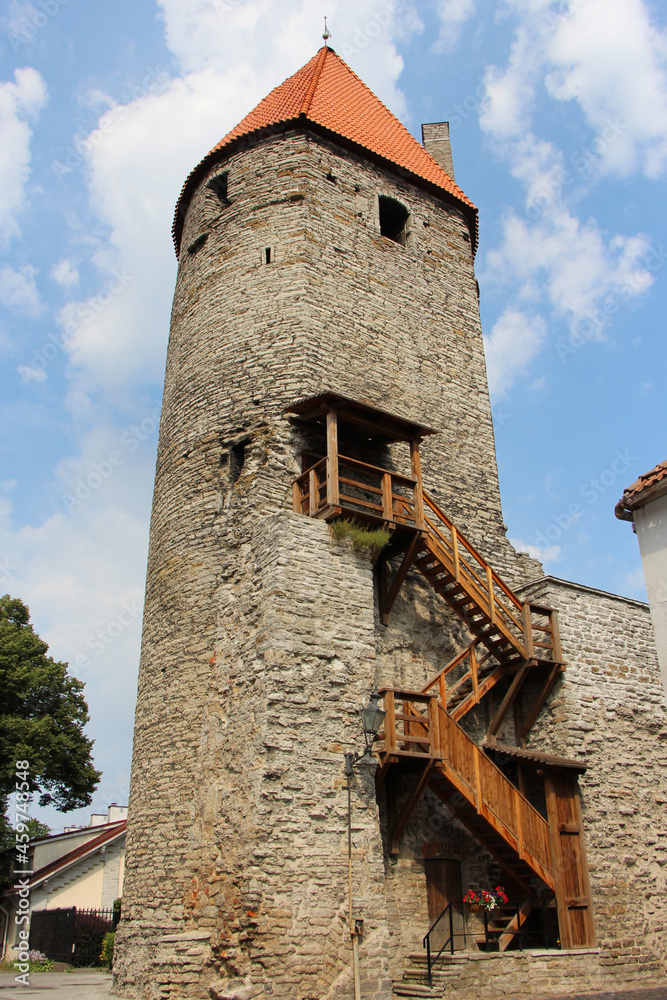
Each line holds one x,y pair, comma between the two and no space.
363,539
106,955
38,962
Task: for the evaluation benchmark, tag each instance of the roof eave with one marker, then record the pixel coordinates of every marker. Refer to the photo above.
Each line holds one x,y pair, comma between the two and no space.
302,122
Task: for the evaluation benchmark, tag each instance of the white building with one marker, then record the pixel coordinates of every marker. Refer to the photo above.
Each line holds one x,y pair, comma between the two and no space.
645,504
83,867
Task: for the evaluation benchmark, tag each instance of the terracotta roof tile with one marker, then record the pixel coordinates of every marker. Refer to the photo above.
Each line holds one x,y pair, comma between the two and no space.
327,93
635,495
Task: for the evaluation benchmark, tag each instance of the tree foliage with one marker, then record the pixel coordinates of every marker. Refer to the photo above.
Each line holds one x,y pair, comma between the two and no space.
42,717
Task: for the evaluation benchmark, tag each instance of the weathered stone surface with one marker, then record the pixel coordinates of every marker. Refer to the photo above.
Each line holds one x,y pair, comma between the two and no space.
261,636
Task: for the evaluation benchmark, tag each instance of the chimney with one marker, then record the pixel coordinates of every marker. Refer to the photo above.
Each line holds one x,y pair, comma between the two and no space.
435,137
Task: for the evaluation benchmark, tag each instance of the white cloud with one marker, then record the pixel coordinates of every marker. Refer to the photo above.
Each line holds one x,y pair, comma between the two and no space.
550,554
453,14
610,58
18,290
231,54
65,273
19,101
514,341
570,266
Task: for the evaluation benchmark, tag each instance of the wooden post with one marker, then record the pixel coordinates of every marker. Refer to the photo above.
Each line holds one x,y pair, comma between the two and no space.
433,728
519,824
314,490
473,671
455,550
387,501
390,721
443,690
297,506
489,587
555,637
418,493
332,458
528,631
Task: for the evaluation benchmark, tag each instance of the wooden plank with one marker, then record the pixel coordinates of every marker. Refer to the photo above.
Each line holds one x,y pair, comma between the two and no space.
527,631
387,499
489,588
455,550
332,458
296,497
313,492
555,631
390,721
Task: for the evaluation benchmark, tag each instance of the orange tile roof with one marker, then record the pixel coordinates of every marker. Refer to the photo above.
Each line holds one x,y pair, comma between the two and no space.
326,93
643,490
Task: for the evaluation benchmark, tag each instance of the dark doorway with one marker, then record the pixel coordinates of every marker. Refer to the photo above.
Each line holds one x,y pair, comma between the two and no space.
443,887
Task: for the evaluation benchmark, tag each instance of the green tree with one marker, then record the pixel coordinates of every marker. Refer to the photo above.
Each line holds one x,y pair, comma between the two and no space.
42,716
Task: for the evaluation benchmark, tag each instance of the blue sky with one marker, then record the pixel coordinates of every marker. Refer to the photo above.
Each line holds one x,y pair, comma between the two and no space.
558,115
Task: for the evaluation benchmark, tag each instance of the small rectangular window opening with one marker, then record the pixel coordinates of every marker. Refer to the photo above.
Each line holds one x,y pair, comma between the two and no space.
267,255
218,185
393,220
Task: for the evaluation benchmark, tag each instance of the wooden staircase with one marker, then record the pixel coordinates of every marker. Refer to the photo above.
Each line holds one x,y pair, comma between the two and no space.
503,926
418,729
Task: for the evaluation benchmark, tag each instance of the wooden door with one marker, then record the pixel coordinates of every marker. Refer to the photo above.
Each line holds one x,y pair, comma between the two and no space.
443,886
570,868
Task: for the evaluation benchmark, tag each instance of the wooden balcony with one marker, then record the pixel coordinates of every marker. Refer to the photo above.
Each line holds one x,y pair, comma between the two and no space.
338,486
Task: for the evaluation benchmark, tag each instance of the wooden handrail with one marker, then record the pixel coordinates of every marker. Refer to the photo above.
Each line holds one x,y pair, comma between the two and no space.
396,476
473,551
470,771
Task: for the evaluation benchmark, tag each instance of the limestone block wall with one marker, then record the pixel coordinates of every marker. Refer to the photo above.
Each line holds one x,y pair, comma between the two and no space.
609,711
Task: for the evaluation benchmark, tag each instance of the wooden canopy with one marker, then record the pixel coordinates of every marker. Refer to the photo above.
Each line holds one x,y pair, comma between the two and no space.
532,757
367,419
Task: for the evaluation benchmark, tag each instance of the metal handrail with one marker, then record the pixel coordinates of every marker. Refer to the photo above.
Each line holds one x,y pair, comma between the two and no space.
520,932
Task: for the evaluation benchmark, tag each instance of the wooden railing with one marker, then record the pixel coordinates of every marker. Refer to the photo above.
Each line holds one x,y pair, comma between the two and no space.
417,725
360,489
485,588
339,485
478,686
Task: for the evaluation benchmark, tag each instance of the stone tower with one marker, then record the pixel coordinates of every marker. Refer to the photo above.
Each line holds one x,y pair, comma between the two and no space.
326,299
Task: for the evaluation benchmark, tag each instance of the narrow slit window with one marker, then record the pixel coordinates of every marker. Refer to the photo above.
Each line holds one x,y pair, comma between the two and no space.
393,220
237,460
267,255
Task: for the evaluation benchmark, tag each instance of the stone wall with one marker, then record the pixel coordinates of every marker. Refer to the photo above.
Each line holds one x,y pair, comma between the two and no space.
609,712
261,637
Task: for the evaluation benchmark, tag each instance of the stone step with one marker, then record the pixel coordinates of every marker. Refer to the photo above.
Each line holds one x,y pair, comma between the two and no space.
407,990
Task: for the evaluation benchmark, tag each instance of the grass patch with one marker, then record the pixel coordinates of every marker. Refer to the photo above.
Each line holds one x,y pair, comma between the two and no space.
363,539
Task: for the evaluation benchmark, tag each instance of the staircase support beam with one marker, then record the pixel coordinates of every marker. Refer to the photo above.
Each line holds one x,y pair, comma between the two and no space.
399,579
544,693
414,797
506,703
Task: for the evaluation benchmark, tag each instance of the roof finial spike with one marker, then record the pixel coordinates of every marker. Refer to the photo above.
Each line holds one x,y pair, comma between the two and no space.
327,34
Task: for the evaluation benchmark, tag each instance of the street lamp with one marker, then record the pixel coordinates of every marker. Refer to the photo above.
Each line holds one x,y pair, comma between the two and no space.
371,720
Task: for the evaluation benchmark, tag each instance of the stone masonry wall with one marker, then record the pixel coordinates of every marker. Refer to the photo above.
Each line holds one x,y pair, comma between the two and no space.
261,637
259,633
609,711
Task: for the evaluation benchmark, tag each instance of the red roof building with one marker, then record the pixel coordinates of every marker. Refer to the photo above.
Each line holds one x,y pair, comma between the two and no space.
325,96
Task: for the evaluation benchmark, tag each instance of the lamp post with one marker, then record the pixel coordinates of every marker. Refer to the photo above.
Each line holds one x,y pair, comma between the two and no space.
371,720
